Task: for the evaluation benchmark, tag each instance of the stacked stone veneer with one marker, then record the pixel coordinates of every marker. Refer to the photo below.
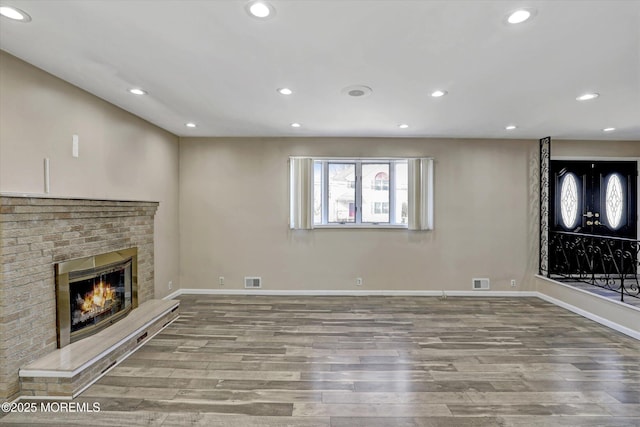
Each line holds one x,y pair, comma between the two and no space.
35,234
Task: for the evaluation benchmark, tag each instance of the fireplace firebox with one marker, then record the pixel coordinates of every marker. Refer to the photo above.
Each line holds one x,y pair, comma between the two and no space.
94,292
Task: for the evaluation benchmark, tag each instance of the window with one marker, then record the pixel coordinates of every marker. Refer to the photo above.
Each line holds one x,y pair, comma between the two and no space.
381,207
381,181
360,192
347,192
569,201
614,198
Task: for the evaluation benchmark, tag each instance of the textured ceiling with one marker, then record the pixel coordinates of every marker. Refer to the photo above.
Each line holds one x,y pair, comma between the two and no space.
210,63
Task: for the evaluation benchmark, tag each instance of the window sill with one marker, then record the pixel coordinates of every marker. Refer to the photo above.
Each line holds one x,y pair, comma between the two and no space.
356,226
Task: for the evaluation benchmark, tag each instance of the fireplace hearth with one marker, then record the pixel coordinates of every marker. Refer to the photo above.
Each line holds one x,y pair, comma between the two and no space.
93,293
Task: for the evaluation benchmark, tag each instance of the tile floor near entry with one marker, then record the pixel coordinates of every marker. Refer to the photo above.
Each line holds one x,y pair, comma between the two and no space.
369,361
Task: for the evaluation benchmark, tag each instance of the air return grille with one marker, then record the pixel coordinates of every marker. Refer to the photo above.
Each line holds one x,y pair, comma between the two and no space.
480,284
252,282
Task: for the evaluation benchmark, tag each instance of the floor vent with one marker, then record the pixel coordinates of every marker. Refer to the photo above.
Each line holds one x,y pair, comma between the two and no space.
480,284
252,282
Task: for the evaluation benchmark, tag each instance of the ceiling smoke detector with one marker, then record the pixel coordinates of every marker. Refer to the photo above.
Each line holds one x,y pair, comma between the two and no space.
357,91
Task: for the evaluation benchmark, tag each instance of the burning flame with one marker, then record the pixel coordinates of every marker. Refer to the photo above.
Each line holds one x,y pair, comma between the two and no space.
98,298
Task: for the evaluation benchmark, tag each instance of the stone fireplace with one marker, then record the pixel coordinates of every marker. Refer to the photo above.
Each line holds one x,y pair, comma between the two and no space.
38,233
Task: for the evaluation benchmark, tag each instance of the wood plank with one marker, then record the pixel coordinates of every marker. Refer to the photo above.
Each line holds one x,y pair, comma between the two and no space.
370,361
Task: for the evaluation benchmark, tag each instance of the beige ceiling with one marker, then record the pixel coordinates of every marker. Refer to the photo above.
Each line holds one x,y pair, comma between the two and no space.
211,63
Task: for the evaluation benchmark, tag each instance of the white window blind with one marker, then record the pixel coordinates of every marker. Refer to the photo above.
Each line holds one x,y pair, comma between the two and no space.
421,194
301,193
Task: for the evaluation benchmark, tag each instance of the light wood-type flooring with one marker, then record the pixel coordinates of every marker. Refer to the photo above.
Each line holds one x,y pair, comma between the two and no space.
238,361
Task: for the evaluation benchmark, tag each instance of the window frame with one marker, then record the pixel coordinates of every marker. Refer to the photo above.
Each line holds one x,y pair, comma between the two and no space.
419,186
358,162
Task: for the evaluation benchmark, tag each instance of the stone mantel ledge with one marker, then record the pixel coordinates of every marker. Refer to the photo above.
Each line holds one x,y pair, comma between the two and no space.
26,208
71,198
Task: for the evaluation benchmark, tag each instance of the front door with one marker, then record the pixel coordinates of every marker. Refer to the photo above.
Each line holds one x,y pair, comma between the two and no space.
593,198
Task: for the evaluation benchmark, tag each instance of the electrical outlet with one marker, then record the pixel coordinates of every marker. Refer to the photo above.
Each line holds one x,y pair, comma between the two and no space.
513,283
359,281
170,284
221,280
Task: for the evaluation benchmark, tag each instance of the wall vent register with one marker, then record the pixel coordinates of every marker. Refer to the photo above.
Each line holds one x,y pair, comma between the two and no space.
480,283
252,282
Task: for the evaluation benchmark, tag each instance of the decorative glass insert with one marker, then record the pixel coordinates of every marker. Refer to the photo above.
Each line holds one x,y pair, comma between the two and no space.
614,201
569,201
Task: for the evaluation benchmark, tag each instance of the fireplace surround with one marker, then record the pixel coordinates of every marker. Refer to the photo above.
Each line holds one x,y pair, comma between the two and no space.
94,292
36,232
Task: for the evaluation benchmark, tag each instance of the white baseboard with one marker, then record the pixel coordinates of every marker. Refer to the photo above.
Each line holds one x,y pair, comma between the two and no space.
591,294
173,294
591,316
513,294
615,326
417,293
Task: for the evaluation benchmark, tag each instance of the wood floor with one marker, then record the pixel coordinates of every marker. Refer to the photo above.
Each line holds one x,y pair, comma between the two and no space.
369,361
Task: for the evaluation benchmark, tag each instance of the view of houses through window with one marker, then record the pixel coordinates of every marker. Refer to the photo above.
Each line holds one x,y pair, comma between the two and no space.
350,191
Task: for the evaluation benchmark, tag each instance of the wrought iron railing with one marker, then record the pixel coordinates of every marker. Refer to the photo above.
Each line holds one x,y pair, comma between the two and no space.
607,262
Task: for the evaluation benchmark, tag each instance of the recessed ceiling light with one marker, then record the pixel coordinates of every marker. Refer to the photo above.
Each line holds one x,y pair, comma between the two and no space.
510,127
295,125
285,91
608,129
438,93
588,96
519,16
15,14
357,91
403,126
190,125
260,9
138,91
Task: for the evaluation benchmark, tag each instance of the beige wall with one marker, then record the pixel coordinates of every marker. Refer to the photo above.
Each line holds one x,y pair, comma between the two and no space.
234,213
625,316
121,155
234,196
595,149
